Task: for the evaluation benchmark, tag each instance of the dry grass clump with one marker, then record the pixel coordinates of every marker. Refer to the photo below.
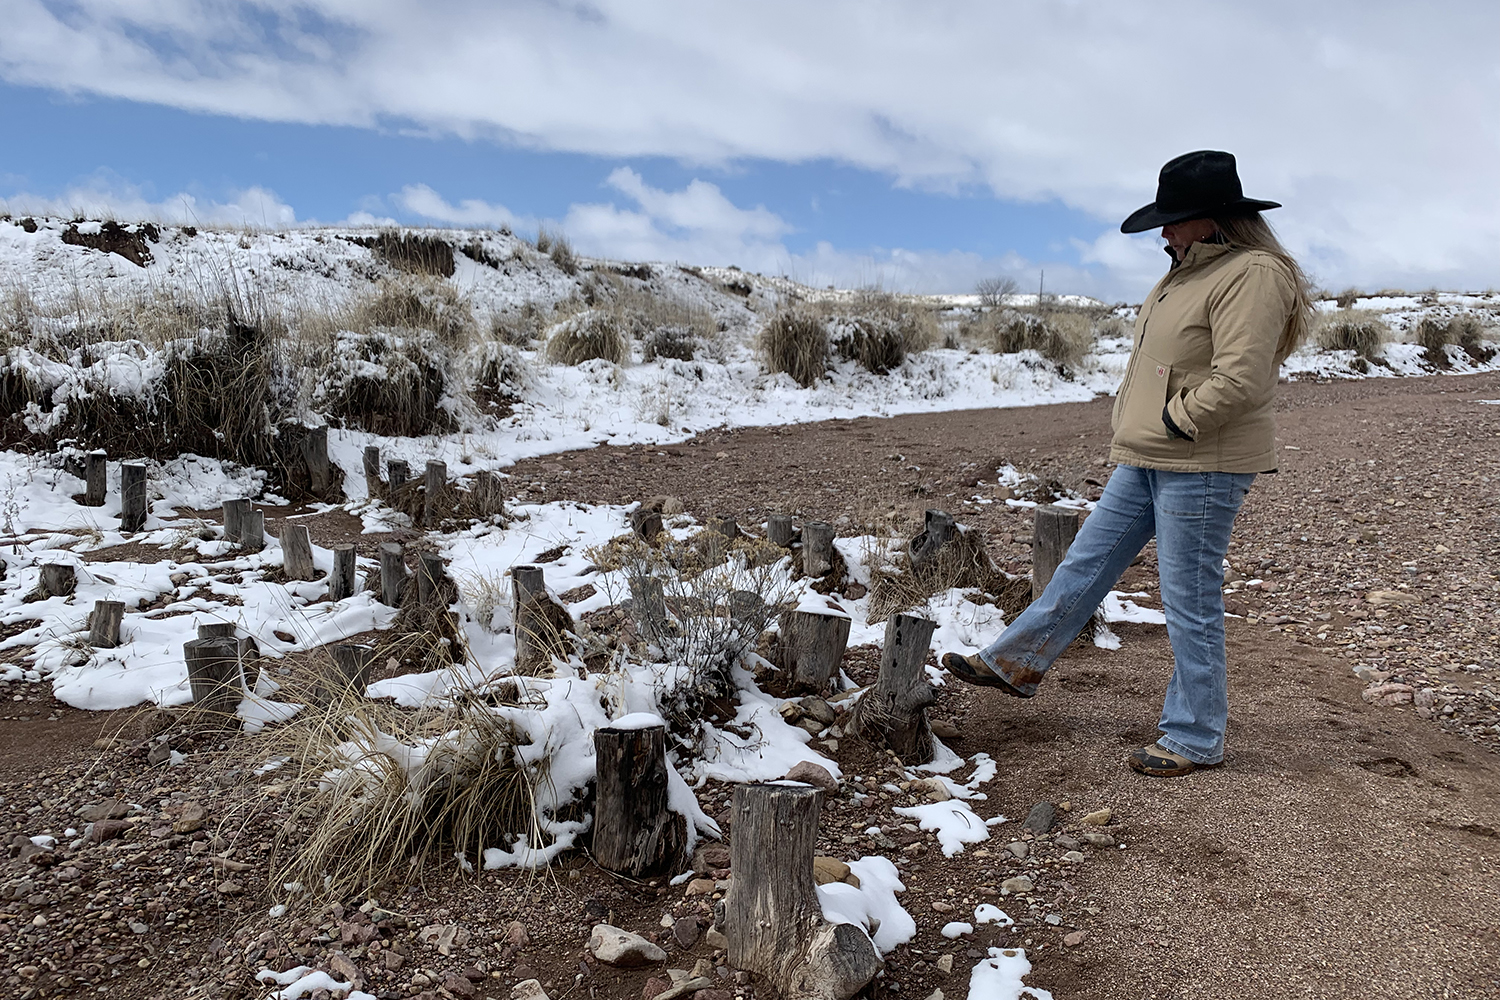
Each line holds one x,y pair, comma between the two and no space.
1361,332
520,327
413,303
795,341
1469,332
590,334
962,564
1062,336
1347,298
872,341
415,253
679,343
387,382
561,253
1433,336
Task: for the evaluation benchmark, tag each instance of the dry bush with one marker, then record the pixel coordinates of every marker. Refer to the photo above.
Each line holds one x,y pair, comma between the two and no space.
1434,335
795,341
992,291
1469,332
1062,337
413,303
1347,298
561,253
1110,328
1361,332
872,341
590,334
519,328
415,253
962,564
386,381
676,342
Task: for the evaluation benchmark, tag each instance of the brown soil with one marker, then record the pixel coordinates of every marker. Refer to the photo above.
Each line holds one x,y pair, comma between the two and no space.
1348,848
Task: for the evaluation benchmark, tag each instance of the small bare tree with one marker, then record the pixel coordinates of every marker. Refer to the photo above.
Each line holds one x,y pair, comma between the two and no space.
992,291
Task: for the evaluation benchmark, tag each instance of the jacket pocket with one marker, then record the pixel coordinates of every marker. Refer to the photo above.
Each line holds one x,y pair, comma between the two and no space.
1139,425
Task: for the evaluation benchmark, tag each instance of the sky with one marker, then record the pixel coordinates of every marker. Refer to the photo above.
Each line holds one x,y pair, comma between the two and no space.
914,146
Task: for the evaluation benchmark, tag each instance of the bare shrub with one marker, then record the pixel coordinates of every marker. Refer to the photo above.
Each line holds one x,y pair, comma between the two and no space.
1110,328
415,253
416,303
872,341
1363,333
796,342
520,327
962,564
992,291
1348,297
676,342
1469,332
1433,336
1062,337
386,381
590,334
543,241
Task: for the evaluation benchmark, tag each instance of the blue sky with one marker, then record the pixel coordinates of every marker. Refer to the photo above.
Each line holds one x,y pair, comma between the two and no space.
916,147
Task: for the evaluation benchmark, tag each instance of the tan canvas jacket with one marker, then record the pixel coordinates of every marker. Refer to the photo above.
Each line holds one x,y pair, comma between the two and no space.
1206,352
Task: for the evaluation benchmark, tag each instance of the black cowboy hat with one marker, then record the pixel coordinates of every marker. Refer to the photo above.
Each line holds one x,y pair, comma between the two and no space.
1195,185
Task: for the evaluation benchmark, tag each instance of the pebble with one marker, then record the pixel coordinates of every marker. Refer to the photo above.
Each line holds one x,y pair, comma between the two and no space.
1074,939
1099,817
1074,857
1019,883
622,949
1041,818
813,774
1018,849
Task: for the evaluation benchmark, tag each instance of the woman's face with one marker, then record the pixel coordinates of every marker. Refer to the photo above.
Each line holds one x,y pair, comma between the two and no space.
1181,235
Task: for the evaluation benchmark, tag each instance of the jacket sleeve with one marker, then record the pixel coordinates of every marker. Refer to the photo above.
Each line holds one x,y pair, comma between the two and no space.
1246,318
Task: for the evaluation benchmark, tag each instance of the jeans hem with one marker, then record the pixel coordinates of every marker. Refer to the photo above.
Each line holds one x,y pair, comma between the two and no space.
1167,743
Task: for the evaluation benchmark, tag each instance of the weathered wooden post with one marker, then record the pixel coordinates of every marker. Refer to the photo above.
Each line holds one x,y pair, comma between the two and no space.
214,674
1053,529
894,713
812,646
95,469
392,574
104,624
341,583
253,531
372,470
725,525
538,622
772,917
296,552
779,530
132,498
431,575
434,492
646,524
938,529
315,457
57,579
217,630
235,513
649,603
635,833
347,674
489,496
817,548
396,474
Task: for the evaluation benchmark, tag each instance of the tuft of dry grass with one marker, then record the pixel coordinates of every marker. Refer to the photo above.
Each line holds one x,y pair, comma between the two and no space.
1061,336
795,341
874,342
590,334
1364,333
962,564
561,252
414,253
1434,336
411,303
1348,297
677,342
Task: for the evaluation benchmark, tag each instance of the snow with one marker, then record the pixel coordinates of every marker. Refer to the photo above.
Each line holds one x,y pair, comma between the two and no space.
989,913
874,900
301,980
1001,975
956,929
954,823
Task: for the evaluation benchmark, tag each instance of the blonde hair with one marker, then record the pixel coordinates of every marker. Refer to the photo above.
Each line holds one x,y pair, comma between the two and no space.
1253,232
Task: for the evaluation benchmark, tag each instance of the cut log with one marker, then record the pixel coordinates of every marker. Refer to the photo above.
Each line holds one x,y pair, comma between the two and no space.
779,530
372,470
648,605
812,646
634,831
341,583
215,676
315,456
646,524
938,530
539,623
434,492
95,473
431,575
217,630
253,531
296,552
817,548
235,514
57,579
132,498
772,918
1054,530
894,712
396,474
392,574
347,674
104,624
725,525
489,495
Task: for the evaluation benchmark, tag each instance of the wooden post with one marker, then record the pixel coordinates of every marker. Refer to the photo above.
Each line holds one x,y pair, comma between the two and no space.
315,457
392,574
214,674
341,583
235,513
104,624
726,526
253,531
489,496
431,575
772,917
217,630
817,548
347,675
296,552
779,530
434,492
894,713
535,620
646,524
635,833
372,470
648,602
58,579
1053,530
938,530
396,474
95,468
812,646
132,498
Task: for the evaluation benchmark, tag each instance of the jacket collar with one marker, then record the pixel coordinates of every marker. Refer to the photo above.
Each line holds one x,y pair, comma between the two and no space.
1199,254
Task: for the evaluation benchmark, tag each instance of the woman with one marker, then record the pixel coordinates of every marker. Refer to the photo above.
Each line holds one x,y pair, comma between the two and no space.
1192,428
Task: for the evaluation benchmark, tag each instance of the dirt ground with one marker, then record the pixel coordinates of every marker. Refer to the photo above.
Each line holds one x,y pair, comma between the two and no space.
1350,846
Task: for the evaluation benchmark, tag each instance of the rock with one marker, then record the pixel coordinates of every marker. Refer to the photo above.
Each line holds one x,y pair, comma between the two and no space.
944,730
1389,694
529,989
106,829
1099,817
622,949
655,987
700,887
810,725
1381,598
190,820
1041,818
944,964
713,995
1066,842
458,985
1074,857
230,888
940,906
1020,883
393,960
515,935
340,965
715,939
1075,939
1018,849
136,927
816,708
108,809
1098,839
813,774
714,857
685,931
934,789
827,870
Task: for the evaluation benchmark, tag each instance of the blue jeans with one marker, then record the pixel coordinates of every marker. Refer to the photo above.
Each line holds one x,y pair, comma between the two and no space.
1190,514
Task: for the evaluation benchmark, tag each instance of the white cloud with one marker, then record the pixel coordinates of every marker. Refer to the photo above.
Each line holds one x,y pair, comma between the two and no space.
419,199
254,207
